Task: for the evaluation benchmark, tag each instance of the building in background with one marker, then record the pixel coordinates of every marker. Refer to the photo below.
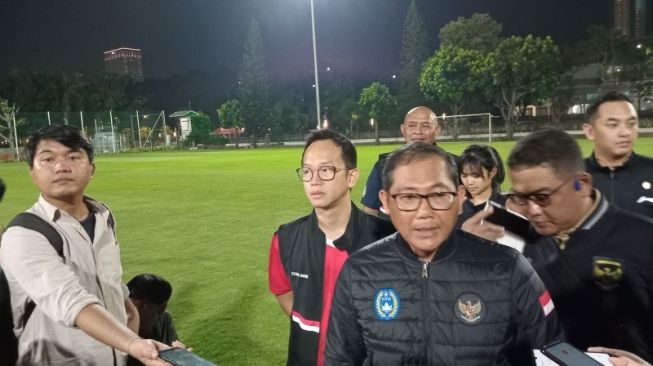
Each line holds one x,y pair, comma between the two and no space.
633,18
127,61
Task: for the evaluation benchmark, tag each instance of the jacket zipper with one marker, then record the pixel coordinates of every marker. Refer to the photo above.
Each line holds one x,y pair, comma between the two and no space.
425,279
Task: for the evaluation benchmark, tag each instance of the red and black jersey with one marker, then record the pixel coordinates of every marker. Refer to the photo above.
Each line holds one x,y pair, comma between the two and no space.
303,261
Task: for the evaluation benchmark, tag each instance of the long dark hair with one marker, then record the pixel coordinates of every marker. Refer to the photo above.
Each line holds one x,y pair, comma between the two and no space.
477,157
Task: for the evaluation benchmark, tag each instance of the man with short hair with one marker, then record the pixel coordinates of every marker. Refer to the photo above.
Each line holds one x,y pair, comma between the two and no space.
430,294
81,313
306,255
595,259
624,178
420,124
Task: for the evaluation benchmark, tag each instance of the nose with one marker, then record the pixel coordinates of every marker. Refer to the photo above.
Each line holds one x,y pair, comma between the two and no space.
533,209
315,179
424,210
625,130
61,165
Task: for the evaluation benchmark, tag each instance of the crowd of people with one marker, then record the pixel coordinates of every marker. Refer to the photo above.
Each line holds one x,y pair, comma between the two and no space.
413,277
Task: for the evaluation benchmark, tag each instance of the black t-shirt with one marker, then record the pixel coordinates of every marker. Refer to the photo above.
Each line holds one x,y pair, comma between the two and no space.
89,225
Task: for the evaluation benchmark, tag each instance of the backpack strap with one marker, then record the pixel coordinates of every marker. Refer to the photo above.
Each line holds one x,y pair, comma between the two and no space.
31,221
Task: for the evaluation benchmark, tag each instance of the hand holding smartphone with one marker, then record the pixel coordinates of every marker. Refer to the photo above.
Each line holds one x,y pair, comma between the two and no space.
567,355
182,357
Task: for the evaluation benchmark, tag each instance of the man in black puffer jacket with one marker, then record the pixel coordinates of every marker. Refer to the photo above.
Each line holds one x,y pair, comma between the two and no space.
430,294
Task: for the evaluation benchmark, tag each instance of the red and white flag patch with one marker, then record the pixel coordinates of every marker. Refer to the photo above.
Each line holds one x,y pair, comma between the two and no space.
546,303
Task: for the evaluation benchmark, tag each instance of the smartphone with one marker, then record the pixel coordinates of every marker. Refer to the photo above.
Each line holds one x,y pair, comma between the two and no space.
567,355
181,357
511,221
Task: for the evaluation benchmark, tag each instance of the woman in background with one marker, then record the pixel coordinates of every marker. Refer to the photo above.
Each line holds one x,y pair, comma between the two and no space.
481,172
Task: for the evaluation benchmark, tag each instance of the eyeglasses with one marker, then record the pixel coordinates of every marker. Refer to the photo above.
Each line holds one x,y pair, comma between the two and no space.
325,173
436,200
540,199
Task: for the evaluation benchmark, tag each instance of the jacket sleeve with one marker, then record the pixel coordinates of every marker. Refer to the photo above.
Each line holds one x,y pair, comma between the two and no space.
344,337
537,323
372,187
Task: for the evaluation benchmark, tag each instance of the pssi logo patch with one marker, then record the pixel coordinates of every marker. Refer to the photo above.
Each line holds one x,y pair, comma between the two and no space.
386,304
470,308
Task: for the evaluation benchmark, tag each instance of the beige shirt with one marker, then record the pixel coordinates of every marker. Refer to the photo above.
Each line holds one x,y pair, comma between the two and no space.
89,273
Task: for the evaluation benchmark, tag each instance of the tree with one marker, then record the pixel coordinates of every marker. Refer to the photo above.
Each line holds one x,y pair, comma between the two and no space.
522,69
451,76
479,32
7,115
201,131
414,51
253,85
284,118
229,115
377,102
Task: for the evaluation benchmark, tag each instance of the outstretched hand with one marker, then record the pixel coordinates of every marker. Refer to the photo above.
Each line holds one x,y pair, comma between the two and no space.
620,357
147,351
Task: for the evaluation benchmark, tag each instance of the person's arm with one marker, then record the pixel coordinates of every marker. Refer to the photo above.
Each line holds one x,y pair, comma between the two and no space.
344,336
370,200
278,279
620,357
484,229
537,322
98,323
285,300
133,319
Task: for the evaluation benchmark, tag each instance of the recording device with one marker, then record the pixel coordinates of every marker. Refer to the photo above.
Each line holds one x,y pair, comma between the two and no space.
567,355
510,220
181,357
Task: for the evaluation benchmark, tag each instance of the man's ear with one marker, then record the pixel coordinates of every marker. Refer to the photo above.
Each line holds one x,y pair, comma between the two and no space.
352,177
588,129
383,196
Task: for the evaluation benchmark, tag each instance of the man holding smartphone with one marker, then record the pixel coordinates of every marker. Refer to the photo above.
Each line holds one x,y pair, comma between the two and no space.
595,259
70,308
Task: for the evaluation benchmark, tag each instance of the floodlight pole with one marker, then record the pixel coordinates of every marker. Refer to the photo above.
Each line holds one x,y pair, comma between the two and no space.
13,117
489,132
317,81
113,135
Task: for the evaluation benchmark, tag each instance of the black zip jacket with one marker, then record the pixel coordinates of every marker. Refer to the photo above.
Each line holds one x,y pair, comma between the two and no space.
629,187
475,303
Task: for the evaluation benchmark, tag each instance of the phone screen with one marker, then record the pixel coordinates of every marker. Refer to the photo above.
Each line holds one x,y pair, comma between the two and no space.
181,357
566,354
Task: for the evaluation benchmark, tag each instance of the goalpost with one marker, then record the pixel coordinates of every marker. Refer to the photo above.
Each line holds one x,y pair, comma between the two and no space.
467,126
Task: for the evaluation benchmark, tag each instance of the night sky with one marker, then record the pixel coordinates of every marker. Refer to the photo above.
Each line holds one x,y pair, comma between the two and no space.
353,36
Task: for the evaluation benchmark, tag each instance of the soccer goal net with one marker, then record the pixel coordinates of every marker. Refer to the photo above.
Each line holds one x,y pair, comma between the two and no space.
475,126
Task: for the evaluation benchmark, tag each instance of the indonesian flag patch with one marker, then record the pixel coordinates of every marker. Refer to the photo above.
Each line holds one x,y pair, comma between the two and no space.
546,303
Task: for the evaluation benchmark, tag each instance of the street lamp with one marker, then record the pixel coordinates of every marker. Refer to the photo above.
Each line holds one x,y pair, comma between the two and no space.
317,82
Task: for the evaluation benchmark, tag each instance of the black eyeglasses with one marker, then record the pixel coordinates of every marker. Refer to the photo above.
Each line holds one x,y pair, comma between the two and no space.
540,199
436,200
325,173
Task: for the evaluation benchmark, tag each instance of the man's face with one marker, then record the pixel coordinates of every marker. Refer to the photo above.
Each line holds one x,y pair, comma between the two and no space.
60,173
564,206
418,126
614,129
425,229
325,157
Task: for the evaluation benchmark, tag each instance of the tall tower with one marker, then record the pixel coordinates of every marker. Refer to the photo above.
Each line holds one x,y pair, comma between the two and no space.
126,61
632,18
621,17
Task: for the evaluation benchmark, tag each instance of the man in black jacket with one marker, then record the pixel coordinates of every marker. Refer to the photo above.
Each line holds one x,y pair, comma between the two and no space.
307,254
595,259
624,178
431,294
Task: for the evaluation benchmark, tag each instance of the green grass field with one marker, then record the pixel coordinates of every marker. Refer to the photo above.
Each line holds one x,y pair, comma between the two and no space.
204,220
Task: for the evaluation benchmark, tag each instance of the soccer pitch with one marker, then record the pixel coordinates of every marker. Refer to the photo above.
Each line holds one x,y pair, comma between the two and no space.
204,220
